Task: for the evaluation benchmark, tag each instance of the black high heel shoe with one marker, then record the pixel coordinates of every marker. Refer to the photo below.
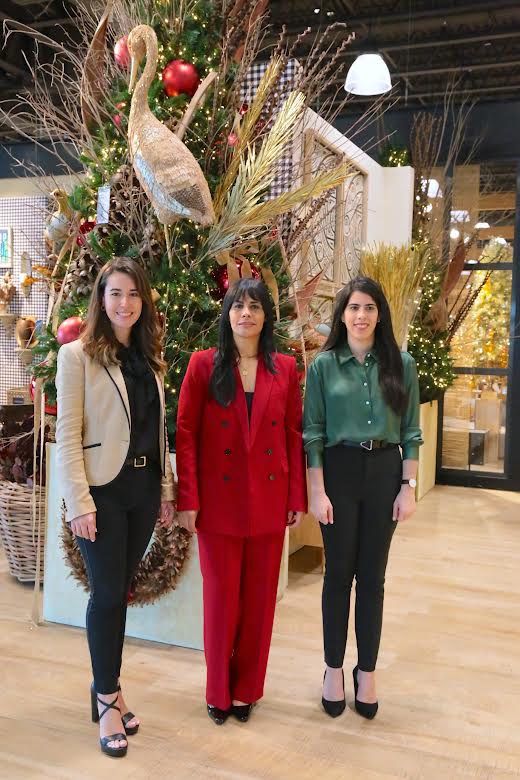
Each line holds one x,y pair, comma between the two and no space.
217,715
363,708
241,711
118,752
334,708
126,718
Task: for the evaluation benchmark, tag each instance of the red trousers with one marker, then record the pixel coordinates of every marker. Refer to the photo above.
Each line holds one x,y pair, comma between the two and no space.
240,579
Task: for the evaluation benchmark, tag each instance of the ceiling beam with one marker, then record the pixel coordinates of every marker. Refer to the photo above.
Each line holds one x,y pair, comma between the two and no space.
477,6
483,91
62,22
8,67
474,8
456,68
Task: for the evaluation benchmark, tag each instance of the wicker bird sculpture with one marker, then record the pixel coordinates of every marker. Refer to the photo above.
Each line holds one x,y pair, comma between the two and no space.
167,170
57,227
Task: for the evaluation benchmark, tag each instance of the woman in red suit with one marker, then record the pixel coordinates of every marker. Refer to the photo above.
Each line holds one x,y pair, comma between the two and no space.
241,482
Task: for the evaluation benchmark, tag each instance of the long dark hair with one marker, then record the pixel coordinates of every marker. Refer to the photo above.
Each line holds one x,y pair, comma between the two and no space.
391,372
99,340
222,384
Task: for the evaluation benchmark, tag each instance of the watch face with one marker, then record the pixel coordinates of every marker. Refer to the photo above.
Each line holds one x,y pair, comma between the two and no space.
412,482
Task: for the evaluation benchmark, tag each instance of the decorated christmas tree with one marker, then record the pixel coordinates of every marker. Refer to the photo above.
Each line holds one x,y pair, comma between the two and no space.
183,142
180,156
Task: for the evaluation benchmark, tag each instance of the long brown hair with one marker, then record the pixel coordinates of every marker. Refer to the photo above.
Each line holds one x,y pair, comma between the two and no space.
99,340
391,371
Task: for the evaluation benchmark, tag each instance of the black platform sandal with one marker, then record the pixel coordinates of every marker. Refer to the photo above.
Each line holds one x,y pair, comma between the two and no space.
118,752
126,718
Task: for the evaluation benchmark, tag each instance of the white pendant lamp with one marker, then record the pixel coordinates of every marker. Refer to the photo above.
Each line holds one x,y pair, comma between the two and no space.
368,75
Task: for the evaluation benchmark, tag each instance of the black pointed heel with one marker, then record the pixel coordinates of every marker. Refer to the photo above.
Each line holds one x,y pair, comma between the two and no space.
241,711
363,708
217,715
334,708
114,752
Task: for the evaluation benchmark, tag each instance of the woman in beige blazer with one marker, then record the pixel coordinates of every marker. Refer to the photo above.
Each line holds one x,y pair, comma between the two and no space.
114,467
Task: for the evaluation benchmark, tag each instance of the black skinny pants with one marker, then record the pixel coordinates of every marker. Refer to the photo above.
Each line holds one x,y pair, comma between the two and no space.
362,487
127,510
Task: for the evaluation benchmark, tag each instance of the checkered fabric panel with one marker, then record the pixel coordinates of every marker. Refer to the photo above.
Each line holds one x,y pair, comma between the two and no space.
26,216
283,179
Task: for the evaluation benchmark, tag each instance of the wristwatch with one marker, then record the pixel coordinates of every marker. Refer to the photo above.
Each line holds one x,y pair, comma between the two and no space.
411,482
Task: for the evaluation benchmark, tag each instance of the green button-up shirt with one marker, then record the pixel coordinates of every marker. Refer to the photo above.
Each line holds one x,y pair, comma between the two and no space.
343,401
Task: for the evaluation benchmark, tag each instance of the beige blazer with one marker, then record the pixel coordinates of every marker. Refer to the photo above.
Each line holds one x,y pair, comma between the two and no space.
93,428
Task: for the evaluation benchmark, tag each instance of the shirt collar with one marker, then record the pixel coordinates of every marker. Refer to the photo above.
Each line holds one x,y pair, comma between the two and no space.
345,354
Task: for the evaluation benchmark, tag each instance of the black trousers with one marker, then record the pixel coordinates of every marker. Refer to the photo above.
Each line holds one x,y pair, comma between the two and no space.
127,510
362,487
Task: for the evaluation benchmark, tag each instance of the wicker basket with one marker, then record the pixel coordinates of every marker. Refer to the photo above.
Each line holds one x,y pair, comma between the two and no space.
16,529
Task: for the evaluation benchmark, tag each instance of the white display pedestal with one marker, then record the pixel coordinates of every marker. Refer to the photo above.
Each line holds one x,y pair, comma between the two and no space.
176,619
428,451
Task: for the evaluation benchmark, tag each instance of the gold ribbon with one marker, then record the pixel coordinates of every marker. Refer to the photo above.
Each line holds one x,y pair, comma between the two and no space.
229,258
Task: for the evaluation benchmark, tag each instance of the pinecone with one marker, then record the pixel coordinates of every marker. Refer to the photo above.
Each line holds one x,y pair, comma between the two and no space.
81,275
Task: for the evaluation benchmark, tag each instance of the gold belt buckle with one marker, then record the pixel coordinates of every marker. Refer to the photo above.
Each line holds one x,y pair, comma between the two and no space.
139,465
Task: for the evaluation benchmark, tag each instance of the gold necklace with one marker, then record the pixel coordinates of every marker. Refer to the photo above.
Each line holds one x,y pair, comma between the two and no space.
244,371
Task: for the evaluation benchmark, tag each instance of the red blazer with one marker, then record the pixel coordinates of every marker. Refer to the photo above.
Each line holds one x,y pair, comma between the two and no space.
242,479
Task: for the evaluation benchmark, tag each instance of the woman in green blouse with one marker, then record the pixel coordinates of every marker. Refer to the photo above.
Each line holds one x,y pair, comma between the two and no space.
361,406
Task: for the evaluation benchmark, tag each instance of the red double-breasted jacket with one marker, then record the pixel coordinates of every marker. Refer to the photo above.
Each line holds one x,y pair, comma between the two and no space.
243,478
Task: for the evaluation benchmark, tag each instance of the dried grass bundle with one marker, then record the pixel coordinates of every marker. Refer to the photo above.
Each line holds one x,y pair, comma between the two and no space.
399,270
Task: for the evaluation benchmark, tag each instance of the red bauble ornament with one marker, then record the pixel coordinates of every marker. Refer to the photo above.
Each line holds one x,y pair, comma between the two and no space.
232,139
49,408
118,118
69,330
220,275
180,78
121,54
84,228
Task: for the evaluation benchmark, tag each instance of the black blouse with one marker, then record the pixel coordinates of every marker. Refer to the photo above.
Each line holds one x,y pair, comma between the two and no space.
249,402
143,396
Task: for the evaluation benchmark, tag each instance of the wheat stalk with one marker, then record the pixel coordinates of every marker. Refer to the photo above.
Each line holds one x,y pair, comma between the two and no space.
399,270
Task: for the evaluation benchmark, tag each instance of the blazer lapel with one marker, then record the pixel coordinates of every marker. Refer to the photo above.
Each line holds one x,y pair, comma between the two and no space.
116,375
263,385
162,423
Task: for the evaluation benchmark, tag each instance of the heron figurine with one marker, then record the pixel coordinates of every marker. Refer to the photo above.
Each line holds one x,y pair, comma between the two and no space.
168,172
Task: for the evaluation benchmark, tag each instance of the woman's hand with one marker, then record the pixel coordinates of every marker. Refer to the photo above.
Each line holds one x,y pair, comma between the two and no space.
84,526
187,519
165,518
294,518
321,508
404,504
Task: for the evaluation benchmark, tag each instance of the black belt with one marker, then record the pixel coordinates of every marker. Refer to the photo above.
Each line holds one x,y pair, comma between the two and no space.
369,444
137,463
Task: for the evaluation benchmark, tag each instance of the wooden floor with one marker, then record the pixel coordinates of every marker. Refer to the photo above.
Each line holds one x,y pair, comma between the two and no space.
449,675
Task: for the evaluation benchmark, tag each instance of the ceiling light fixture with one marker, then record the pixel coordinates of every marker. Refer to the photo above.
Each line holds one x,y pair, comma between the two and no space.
482,226
368,75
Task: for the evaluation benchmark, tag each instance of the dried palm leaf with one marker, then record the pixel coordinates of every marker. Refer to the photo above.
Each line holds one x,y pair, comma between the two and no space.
247,127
